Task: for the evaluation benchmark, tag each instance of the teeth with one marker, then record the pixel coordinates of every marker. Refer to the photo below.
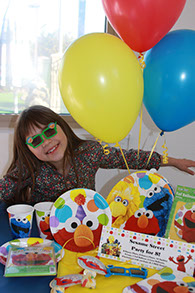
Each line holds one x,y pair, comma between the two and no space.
51,150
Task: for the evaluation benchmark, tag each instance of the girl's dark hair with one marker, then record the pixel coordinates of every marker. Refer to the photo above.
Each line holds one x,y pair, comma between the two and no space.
26,162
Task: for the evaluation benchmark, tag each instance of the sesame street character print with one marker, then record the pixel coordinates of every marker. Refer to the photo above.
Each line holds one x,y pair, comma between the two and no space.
111,247
156,195
21,226
172,287
147,192
30,258
166,280
185,222
159,200
45,227
30,261
143,221
180,261
123,200
42,212
163,287
77,218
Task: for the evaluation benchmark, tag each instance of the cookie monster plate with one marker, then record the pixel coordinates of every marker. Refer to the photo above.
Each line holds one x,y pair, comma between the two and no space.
77,217
141,202
31,241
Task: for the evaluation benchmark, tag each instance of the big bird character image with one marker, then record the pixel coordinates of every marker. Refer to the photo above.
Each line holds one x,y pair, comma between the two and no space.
124,201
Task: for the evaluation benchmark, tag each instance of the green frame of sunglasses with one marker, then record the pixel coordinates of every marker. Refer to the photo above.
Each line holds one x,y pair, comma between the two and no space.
51,125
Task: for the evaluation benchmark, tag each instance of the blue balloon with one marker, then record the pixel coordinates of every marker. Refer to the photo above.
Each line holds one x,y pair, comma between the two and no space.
169,80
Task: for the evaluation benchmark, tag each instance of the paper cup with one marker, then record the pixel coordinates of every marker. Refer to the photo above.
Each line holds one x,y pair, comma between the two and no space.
42,212
20,220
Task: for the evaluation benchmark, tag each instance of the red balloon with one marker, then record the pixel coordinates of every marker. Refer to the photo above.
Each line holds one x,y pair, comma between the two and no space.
141,24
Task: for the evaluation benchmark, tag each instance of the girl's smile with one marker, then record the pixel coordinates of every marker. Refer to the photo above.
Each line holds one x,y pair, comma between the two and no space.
53,149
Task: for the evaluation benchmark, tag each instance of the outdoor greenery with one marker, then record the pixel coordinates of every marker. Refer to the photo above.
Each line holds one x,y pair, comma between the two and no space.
7,104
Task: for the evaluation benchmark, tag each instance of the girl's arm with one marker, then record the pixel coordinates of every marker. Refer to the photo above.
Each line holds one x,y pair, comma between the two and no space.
10,186
181,164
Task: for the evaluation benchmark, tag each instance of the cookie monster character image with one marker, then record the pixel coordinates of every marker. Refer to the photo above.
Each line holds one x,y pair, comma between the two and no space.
159,200
21,227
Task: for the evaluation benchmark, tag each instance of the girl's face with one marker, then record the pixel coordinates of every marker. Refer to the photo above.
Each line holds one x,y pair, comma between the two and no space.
52,149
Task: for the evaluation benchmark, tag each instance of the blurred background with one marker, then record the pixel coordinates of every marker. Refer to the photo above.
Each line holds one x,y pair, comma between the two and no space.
33,36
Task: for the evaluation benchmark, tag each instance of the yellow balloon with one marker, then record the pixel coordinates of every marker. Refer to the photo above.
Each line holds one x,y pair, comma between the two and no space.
101,84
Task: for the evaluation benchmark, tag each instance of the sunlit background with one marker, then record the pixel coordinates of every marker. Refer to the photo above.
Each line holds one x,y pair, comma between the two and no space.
33,37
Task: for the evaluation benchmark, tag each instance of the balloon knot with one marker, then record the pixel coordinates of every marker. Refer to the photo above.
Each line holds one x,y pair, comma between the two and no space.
162,133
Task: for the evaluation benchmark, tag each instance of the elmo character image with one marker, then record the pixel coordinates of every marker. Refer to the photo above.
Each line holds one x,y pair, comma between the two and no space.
185,222
77,218
143,222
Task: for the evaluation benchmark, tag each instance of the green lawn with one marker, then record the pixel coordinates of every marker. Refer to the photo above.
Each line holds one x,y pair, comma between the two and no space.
7,103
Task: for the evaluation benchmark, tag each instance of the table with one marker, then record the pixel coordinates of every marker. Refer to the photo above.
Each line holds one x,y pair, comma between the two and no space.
19,284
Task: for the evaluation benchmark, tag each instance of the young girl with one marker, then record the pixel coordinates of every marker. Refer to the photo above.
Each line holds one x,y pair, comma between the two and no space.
49,159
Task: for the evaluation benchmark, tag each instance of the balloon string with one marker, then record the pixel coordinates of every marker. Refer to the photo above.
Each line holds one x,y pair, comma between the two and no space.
140,131
165,153
118,145
141,61
160,134
143,65
106,151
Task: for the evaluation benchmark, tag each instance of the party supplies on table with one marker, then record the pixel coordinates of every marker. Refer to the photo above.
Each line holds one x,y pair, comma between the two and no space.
166,280
30,261
146,250
181,224
94,264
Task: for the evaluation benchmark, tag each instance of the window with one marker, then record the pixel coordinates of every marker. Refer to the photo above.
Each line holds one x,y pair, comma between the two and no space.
33,37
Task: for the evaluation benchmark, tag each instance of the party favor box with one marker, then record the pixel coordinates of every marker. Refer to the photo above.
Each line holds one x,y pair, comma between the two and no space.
30,261
181,223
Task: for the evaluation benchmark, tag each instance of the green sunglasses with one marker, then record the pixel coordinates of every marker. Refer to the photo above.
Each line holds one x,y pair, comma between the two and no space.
37,140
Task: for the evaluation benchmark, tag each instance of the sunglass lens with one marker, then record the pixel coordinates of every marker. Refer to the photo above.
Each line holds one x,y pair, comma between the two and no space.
36,140
50,132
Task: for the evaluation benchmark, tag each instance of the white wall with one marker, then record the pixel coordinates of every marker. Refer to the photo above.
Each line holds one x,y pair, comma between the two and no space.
180,143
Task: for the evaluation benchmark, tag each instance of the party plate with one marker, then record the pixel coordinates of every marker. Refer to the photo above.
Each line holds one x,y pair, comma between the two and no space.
77,217
31,241
141,202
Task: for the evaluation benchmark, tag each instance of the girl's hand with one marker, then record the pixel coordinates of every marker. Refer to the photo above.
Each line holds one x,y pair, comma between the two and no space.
181,164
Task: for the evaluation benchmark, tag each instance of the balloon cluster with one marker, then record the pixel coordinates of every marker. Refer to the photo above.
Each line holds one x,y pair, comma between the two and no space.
101,80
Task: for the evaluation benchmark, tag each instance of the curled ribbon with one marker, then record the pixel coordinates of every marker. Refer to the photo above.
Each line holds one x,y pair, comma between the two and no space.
141,61
106,151
165,153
